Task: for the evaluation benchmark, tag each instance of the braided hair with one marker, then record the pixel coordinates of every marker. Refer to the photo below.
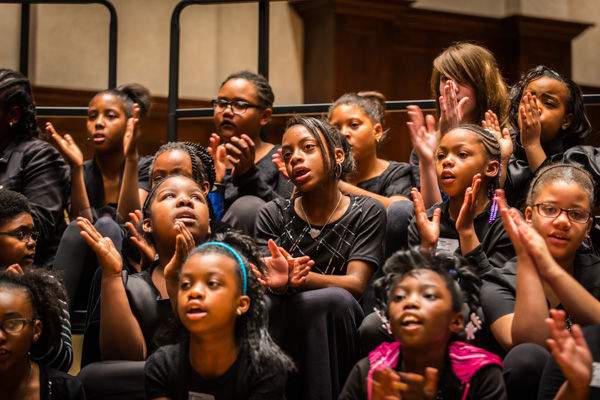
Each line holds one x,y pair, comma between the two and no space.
15,91
47,297
460,277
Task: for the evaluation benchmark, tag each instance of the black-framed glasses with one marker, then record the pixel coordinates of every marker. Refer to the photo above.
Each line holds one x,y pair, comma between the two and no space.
23,236
15,325
574,214
237,106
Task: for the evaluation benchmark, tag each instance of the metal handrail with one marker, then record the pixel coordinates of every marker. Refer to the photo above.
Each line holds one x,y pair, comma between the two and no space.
25,20
301,109
263,53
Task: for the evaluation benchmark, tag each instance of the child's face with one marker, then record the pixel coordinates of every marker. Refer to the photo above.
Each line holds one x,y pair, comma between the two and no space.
460,156
13,250
209,294
174,162
462,91
303,159
14,347
552,97
106,123
420,311
250,122
562,235
358,129
178,199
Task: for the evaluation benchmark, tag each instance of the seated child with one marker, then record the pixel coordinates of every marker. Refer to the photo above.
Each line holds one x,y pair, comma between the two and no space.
30,322
17,251
224,350
423,295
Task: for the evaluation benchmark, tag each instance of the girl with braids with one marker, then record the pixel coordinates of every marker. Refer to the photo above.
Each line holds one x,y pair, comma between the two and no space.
226,351
125,321
548,114
359,117
342,236
468,88
30,321
243,159
29,165
108,187
551,269
423,295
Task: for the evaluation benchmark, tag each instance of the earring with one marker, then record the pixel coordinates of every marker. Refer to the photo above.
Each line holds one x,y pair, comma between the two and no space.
338,170
149,229
239,312
10,124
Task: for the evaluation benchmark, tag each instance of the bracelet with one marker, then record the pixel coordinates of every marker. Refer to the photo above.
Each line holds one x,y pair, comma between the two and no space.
277,293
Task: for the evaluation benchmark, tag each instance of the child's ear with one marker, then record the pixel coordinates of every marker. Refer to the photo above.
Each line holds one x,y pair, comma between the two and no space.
205,187
14,115
567,121
378,132
265,117
37,330
457,323
339,156
528,214
492,169
243,305
147,225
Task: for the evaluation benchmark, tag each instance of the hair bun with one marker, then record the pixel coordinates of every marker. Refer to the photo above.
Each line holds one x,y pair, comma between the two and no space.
139,94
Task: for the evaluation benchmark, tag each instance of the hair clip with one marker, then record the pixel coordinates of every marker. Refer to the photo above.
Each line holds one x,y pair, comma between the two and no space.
385,323
453,273
473,326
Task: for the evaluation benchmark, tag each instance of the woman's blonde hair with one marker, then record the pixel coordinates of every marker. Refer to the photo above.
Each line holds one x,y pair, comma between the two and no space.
474,66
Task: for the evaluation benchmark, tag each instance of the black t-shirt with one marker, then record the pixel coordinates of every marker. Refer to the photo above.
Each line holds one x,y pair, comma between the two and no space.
56,385
553,378
494,247
500,287
487,383
396,180
357,235
169,373
262,180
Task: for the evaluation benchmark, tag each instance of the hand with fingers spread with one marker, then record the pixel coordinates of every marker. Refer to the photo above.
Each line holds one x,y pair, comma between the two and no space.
502,135
422,134
277,159
218,153
419,387
240,153
384,385
278,269
109,257
132,133
67,146
451,110
184,244
146,250
428,230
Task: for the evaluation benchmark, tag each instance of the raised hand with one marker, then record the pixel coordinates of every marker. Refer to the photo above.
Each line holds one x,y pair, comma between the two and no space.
422,134
385,385
110,259
529,121
184,244
502,135
240,153
278,268
468,210
419,387
277,159
571,353
218,152
428,230
451,110
67,146
146,250
132,133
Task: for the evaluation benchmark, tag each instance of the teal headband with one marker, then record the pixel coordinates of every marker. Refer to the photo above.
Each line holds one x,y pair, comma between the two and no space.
237,256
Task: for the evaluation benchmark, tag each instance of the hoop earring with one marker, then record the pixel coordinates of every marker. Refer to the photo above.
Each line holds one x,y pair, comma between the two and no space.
338,170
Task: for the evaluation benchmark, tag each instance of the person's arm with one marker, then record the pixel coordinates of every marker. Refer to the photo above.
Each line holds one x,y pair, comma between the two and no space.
121,336
130,195
348,188
355,281
73,156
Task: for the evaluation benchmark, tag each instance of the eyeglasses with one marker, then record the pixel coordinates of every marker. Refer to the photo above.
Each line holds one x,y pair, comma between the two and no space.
237,107
14,325
23,236
574,214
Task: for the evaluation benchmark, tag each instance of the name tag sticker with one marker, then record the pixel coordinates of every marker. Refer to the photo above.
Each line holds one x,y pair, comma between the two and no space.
200,396
449,245
595,375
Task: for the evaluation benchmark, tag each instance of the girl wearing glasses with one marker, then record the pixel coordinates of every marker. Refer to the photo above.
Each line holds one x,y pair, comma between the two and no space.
551,270
243,160
30,320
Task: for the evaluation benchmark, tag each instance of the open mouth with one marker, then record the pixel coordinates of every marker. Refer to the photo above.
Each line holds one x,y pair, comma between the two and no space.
558,238
301,172
410,320
98,137
187,217
194,311
447,177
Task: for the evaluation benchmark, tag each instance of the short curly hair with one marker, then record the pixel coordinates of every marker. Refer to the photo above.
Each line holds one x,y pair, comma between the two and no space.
13,205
